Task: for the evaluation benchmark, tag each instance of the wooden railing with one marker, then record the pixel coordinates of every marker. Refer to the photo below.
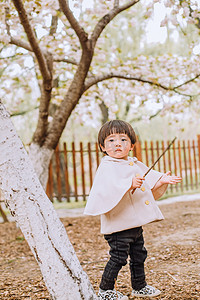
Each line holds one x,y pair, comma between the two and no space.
72,168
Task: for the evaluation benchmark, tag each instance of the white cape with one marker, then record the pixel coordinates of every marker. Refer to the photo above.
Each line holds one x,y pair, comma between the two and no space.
112,180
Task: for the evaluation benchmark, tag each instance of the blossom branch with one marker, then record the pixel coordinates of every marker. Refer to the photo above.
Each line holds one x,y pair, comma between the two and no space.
7,11
53,28
43,65
137,119
9,57
65,60
26,46
45,62
116,3
103,22
81,34
54,25
20,43
184,94
91,81
94,80
21,113
13,40
188,81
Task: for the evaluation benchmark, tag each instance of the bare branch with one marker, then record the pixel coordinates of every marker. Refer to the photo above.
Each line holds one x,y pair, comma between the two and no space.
20,43
184,94
103,22
13,40
21,113
26,46
45,62
188,81
128,5
66,60
91,81
54,24
94,80
150,117
82,35
32,39
116,3
9,57
157,113
2,48
7,11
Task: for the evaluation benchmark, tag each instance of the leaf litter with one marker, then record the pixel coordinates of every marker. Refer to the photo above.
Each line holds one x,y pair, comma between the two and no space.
173,263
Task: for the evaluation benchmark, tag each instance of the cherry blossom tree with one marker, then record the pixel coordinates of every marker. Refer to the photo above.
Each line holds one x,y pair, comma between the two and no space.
47,133
68,61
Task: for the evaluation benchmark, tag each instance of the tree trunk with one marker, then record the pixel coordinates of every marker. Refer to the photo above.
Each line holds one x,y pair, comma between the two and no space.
38,220
104,111
40,158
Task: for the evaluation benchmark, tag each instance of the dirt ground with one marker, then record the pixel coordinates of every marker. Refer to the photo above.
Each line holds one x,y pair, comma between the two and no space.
173,263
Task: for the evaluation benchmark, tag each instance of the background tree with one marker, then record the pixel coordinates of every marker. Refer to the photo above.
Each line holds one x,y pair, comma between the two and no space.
70,57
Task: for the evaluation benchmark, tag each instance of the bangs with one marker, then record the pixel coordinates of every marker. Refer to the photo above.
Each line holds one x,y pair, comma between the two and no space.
117,128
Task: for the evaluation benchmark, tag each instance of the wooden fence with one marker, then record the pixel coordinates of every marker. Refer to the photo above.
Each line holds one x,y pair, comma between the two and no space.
72,168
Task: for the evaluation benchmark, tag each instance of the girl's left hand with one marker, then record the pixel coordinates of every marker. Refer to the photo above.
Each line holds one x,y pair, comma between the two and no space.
168,179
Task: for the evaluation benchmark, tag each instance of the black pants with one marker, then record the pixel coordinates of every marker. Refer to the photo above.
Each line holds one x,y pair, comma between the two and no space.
123,244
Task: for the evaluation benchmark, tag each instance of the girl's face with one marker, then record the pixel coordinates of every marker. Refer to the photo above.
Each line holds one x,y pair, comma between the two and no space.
117,145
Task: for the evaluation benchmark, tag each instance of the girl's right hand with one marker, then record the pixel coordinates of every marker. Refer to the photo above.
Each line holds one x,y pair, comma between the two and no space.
137,182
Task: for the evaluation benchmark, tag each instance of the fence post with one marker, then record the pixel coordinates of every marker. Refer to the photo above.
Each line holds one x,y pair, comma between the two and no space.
198,143
184,159
49,188
58,175
67,184
138,150
74,171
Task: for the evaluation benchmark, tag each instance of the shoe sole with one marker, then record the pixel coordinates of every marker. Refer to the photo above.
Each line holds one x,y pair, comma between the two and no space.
146,296
123,298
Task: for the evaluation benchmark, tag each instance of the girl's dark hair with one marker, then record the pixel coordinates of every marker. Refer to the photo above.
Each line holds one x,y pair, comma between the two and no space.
115,126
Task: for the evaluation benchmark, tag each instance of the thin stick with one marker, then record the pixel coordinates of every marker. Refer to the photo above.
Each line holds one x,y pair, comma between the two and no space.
159,157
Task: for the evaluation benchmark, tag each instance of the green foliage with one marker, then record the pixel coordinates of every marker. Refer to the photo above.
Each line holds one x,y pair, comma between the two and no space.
69,205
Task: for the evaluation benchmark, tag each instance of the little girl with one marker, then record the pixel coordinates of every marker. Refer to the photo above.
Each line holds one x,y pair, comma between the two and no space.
126,201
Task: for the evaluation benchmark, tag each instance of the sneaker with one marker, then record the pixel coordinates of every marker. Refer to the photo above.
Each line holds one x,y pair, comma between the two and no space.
111,295
147,291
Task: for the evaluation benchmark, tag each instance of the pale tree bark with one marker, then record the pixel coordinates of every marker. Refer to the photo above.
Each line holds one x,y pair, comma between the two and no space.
40,158
38,221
